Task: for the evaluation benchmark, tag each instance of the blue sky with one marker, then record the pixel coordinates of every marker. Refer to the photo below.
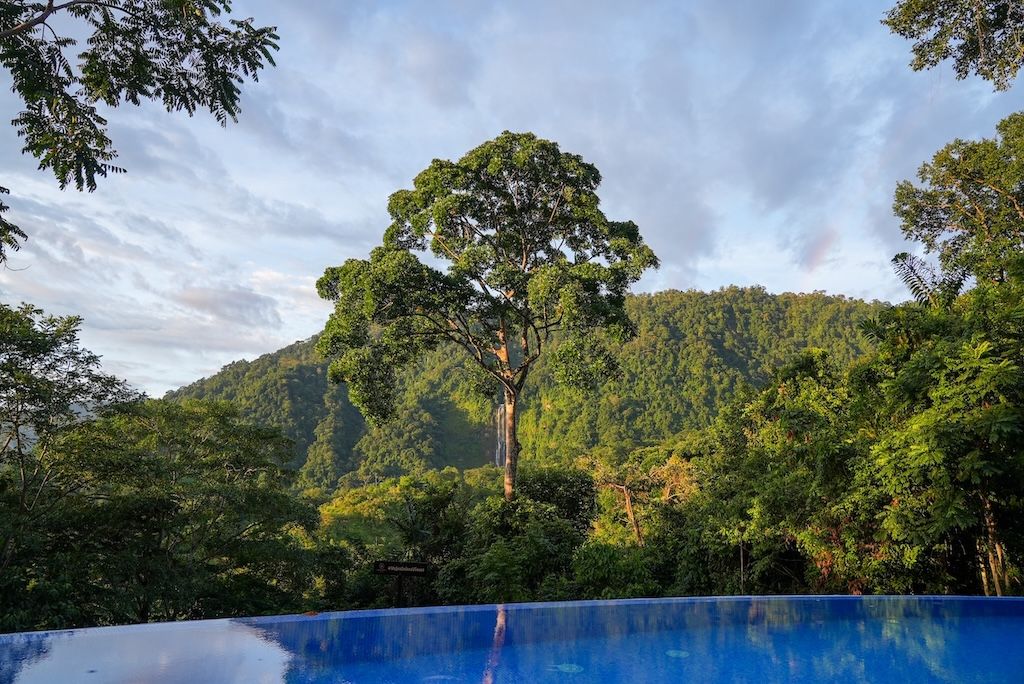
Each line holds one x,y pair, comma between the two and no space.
753,142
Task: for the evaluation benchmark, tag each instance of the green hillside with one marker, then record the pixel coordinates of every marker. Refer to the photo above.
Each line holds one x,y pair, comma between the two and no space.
693,352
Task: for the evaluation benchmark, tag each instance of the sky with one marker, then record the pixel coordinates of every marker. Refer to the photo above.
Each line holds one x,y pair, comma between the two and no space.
754,143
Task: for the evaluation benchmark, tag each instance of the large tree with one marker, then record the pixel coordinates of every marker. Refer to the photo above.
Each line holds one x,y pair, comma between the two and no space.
969,207
516,248
983,36
177,52
48,385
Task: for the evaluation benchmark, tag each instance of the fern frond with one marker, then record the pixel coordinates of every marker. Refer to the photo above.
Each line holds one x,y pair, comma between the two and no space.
917,276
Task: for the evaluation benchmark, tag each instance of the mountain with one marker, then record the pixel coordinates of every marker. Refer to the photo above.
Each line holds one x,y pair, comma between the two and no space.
694,351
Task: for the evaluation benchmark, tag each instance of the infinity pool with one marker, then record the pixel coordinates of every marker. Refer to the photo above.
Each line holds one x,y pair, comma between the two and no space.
757,640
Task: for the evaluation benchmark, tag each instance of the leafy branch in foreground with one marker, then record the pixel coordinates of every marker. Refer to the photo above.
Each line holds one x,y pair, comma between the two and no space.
10,234
176,52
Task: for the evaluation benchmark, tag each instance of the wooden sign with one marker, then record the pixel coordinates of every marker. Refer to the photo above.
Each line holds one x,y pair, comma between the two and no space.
400,568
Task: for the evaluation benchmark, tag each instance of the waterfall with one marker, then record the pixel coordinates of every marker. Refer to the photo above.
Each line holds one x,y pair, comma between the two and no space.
499,433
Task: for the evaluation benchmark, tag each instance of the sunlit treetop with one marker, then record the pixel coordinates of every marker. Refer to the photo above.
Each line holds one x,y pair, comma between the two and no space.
523,250
969,206
492,255
985,37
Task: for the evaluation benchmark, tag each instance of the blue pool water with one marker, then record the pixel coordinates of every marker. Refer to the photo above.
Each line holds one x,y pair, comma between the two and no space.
745,639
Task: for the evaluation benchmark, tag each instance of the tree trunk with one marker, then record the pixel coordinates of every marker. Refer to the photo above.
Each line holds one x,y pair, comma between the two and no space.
6,553
511,443
632,516
993,549
983,571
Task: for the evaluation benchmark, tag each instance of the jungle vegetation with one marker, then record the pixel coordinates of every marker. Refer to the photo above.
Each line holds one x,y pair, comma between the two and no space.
739,442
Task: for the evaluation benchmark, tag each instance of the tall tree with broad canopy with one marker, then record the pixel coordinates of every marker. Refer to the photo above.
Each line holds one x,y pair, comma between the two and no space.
48,385
176,52
969,207
983,36
526,251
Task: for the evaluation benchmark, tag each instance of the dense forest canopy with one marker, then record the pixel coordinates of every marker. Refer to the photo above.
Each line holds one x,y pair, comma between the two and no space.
693,353
753,442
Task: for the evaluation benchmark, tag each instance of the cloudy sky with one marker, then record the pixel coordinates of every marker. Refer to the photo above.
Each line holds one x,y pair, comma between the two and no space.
753,142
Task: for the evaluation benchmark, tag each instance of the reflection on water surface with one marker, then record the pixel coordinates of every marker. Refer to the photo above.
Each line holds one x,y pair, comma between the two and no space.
797,639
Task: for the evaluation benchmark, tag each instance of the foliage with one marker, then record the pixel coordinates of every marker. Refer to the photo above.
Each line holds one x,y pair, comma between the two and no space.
983,36
751,443
929,287
423,518
47,381
405,445
693,353
606,571
951,376
904,472
774,475
182,512
516,550
287,389
10,234
48,385
969,209
481,546
528,253
570,490
952,465
894,470
179,53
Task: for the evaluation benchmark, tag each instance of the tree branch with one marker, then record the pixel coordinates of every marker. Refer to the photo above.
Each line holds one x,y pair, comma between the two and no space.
31,23
53,9
1000,191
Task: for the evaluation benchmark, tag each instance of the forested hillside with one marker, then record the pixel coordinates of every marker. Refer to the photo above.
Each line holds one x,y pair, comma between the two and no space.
694,351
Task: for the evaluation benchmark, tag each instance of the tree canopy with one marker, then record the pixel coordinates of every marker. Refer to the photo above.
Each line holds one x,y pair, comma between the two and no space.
114,509
528,253
694,352
969,207
48,382
981,36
